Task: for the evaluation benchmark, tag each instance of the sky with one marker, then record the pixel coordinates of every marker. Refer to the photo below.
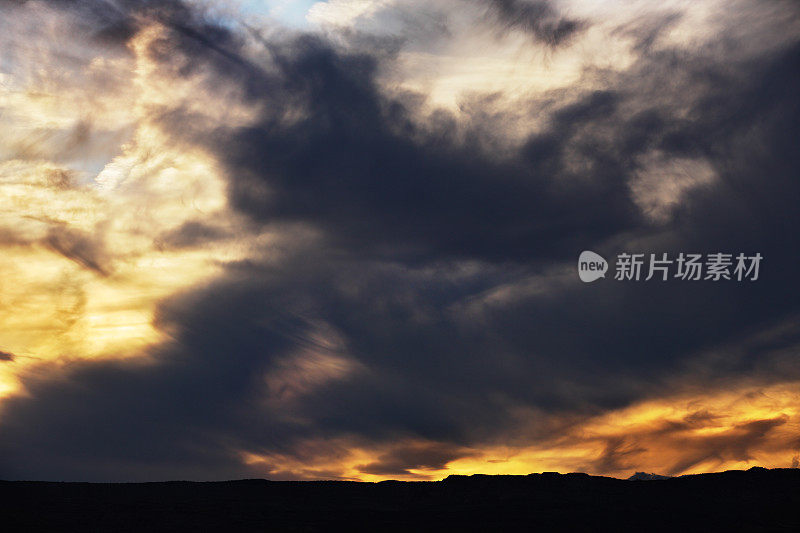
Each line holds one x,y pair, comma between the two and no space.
291,13
340,240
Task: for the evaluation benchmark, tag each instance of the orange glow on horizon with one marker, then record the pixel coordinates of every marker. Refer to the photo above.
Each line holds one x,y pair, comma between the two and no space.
689,434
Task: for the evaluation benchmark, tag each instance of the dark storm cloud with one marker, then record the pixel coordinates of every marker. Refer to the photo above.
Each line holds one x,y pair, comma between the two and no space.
736,444
618,454
191,234
172,420
418,226
540,18
107,21
355,157
402,458
6,356
114,22
80,247
346,164
359,169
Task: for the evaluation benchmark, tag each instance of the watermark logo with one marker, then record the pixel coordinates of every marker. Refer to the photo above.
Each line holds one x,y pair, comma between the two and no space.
591,266
685,266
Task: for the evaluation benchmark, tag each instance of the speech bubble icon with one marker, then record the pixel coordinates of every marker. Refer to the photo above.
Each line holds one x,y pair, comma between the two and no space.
591,266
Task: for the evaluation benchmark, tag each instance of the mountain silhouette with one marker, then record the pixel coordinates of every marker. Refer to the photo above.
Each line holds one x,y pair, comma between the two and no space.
752,500
644,476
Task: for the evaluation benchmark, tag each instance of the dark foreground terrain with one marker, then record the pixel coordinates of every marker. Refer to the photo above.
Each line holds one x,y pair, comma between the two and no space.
755,500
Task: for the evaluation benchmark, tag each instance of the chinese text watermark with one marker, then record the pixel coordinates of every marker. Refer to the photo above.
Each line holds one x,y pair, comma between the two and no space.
661,267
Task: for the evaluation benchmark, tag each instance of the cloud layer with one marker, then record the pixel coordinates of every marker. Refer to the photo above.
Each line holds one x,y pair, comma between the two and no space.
347,253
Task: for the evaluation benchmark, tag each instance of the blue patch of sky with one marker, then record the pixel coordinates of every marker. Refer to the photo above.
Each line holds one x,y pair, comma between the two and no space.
289,12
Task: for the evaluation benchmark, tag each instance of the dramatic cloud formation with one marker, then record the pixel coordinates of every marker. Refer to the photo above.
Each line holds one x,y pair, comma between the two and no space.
233,249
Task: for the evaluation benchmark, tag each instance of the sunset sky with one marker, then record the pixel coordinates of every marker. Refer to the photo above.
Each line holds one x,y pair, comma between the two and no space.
291,239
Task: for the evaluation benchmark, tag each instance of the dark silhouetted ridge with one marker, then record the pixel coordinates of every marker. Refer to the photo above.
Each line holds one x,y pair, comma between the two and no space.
645,476
752,500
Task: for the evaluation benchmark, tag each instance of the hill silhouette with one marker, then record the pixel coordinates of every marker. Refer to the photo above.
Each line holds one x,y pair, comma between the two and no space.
646,476
752,500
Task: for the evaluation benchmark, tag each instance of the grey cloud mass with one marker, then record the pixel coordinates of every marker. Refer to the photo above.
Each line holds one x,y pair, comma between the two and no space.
419,224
